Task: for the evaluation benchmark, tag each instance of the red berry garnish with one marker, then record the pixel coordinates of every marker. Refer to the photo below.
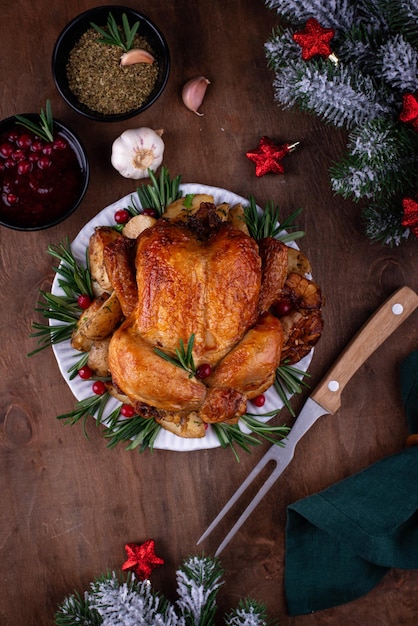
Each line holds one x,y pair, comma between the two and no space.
127,410
84,301
9,163
99,388
203,371
259,400
282,307
85,372
44,162
24,167
150,212
33,157
122,216
6,149
24,141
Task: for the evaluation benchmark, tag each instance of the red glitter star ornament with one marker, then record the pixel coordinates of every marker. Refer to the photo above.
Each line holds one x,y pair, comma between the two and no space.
141,559
268,155
314,40
410,215
409,113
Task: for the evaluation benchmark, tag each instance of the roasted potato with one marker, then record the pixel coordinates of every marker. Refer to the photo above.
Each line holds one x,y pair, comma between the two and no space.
188,426
137,224
98,361
297,262
99,320
185,206
237,218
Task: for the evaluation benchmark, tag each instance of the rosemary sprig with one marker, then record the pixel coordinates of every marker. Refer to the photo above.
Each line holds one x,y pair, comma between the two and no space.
142,431
46,126
184,356
60,308
114,36
93,406
161,192
289,381
267,224
77,278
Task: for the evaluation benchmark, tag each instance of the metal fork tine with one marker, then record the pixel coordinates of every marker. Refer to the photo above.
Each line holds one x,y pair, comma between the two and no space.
271,454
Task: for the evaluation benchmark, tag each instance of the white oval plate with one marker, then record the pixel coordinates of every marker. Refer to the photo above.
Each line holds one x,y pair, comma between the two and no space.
66,356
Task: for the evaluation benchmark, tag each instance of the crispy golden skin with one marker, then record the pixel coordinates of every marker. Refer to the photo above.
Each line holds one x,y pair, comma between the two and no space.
251,365
146,377
119,256
274,257
190,286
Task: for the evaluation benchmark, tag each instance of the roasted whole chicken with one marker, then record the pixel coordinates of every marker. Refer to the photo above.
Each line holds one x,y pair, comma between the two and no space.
195,274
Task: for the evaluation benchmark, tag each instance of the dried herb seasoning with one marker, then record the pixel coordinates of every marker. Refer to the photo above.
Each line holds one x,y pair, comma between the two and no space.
97,79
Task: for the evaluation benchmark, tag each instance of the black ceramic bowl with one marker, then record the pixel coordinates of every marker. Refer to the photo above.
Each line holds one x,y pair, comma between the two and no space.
99,15
41,182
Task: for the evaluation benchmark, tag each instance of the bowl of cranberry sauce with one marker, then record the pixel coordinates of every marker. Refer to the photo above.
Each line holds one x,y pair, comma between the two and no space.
41,182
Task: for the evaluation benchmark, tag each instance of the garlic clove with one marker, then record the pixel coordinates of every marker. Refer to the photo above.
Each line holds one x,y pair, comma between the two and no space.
136,55
193,93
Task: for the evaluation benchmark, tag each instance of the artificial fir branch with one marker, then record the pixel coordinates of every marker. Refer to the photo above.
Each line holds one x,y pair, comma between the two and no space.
113,600
376,44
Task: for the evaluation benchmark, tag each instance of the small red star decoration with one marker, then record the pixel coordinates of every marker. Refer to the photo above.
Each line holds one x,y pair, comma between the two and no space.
141,559
267,156
409,113
314,39
410,215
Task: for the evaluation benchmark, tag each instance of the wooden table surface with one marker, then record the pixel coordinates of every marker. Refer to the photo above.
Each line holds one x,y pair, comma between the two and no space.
68,504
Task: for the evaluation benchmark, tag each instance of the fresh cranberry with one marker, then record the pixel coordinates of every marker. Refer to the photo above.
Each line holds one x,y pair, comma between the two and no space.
33,157
203,371
24,141
84,301
6,149
150,212
12,199
259,400
44,162
18,155
122,216
12,136
59,144
99,388
127,410
9,163
282,307
85,372
24,167
47,149
37,145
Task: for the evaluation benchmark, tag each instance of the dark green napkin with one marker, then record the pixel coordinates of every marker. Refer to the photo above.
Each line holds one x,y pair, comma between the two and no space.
409,390
342,541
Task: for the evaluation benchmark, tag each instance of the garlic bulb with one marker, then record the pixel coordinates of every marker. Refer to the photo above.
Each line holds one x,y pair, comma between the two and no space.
193,93
136,151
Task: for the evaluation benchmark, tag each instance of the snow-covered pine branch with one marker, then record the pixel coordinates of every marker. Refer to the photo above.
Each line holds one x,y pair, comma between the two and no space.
341,96
334,14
